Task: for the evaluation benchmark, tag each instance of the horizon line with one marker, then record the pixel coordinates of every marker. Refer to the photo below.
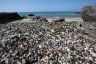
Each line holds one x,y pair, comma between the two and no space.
40,11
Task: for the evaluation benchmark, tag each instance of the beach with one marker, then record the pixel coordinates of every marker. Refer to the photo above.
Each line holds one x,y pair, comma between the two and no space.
33,41
78,19
70,19
48,32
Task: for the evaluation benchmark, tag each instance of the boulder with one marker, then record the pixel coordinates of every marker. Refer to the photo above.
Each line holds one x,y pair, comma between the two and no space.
8,17
24,17
43,19
88,13
35,17
31,15
57,19
38,18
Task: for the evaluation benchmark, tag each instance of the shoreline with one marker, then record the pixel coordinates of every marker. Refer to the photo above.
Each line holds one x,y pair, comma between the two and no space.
69,19
76,19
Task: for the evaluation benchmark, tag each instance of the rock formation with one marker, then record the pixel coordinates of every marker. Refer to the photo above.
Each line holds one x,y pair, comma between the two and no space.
89,16
88,13
57,19
31,15
8,17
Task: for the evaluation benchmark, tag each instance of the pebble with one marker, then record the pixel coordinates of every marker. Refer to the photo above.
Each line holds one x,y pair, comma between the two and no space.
39,43
23,61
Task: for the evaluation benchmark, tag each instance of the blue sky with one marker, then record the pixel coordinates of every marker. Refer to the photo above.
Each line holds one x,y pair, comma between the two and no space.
43,5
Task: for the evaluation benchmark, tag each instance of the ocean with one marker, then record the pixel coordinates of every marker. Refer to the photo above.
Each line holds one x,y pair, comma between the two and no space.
52,14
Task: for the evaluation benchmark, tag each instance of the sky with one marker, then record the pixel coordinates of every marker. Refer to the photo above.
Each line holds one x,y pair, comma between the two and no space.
43,5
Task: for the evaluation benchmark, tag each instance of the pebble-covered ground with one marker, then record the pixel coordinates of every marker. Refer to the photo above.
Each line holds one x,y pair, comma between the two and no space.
46,43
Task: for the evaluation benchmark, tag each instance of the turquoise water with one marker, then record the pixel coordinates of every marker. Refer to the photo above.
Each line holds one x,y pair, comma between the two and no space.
52,14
